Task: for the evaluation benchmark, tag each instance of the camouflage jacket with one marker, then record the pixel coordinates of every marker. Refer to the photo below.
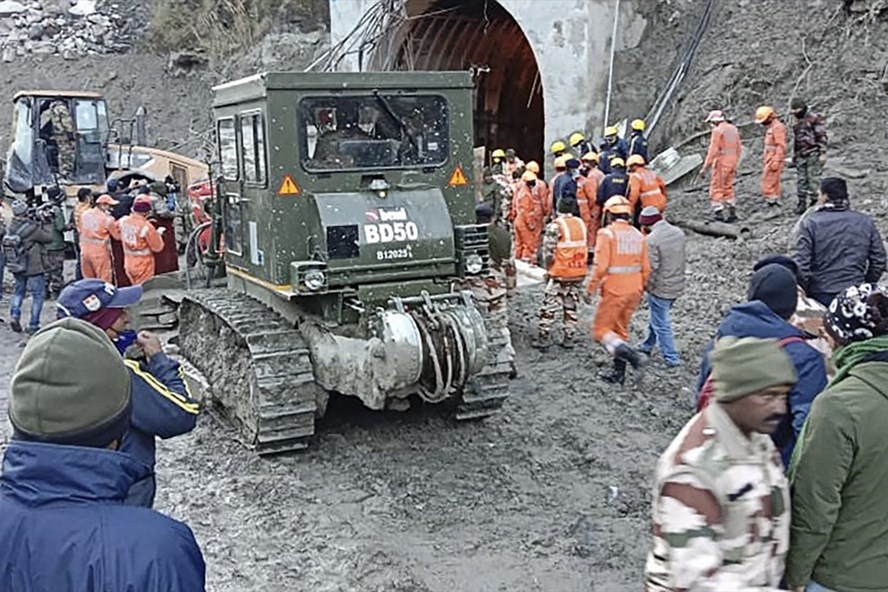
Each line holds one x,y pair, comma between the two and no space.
720,511
551,235
809,135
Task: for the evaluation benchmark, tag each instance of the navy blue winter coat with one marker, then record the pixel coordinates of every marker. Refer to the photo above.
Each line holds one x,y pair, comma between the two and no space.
64,527
638,144
613,184
619,148
162,407
755,319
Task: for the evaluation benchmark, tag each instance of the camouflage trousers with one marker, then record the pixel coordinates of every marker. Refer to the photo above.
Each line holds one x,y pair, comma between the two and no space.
809,171
67,154
490,297
507,276
560,296
55,271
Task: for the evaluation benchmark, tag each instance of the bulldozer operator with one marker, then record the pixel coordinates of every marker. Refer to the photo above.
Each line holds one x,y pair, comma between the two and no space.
337,125
57,129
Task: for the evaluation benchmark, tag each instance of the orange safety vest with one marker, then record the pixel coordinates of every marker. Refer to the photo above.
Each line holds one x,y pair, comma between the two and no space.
139,237
571,251
647,187
621,259
96,227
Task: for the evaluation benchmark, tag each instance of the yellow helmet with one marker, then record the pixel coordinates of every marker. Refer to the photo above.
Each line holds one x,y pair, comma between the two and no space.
638,125
561,162
611,130
618,205
498,153
576,138
533,166
528,176
763,113
635,159
618,162
590,157
558,147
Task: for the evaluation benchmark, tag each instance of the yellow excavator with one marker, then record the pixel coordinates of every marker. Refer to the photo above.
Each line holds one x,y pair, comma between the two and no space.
66,139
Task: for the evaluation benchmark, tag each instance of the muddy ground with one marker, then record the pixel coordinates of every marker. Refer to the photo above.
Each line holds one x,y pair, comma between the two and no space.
552,494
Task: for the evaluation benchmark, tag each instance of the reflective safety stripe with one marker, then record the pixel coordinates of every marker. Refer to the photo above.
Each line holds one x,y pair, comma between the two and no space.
651,192
568,241
571,244
94,241
137,252
623,270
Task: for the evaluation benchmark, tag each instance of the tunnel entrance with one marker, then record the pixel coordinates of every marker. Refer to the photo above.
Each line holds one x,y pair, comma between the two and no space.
483,36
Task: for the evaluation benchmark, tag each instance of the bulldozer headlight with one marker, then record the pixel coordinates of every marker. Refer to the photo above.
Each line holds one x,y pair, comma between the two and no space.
474,263
314,279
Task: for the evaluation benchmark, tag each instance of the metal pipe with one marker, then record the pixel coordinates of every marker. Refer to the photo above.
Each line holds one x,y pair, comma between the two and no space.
610,74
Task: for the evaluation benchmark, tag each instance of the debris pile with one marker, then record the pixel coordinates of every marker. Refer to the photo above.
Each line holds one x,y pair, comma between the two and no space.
70,28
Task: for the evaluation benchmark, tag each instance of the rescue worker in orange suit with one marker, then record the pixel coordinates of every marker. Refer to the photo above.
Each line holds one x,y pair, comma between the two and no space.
620,273
141,240
565,258
585,197
540,188
722,158
594,176
646,188
774,154
527,214
615,183
97,227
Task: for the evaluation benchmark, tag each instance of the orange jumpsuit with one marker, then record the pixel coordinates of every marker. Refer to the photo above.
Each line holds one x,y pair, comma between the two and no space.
723,156
587,194
140,241
96,229
528,215
592,183
621,272
775,153
646,187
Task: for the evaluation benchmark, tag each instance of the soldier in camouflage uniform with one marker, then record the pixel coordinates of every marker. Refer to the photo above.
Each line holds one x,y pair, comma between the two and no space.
55,250
721,500
62,135
565,256
809,153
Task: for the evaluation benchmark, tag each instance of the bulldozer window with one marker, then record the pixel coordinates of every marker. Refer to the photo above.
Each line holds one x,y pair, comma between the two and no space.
227,137
24,137
253,148
373,132
91,120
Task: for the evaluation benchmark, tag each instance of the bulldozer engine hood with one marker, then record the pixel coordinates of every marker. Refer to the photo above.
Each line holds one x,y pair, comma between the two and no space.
405,229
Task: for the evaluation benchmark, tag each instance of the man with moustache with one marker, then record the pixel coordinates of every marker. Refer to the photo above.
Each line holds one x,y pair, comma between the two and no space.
721,500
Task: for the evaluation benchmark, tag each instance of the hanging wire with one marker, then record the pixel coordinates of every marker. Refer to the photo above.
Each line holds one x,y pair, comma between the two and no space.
486,18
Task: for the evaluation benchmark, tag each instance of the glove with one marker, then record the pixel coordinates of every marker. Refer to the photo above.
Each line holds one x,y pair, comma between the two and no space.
161,230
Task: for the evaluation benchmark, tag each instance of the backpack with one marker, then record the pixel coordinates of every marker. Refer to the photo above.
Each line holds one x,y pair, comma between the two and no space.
706,390
15,250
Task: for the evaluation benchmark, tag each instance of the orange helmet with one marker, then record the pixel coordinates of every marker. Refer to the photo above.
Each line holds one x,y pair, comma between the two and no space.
763,113
528,176
533,166
106,200
635,159
618,205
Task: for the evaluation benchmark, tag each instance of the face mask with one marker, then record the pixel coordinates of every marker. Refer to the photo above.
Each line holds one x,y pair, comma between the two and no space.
124,340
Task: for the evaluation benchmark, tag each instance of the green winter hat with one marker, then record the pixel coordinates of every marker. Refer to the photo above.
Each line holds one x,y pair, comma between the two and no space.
743,366
70,387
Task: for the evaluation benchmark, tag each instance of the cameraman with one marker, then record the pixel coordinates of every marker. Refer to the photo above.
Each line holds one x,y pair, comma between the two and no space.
23,246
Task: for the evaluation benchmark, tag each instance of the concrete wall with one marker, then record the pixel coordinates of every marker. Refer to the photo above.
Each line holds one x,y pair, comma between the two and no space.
571,40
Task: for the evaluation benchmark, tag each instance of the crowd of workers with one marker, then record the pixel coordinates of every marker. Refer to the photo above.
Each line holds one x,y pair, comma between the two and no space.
791,383
33,242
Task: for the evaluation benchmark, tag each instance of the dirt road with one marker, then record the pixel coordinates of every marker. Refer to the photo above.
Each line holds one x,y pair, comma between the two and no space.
552,494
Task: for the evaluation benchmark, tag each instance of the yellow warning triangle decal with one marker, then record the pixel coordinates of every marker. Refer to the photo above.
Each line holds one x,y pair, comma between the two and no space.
289,187
458,178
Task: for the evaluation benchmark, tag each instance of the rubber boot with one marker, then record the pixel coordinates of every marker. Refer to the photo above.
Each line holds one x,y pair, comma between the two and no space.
627,354
801,208
732,214
718,216
541,343
567,342
618,374
513,370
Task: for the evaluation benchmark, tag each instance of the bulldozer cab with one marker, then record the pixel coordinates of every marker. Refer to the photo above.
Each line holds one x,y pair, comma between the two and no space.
333,182
58,138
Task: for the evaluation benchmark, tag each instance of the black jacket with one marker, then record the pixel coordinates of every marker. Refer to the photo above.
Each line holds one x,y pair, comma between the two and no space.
837,249
35,238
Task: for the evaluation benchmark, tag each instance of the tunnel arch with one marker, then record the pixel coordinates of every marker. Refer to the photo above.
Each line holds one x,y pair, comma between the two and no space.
483,36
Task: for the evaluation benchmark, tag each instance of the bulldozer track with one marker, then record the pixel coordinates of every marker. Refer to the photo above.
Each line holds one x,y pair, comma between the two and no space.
257,364
486,392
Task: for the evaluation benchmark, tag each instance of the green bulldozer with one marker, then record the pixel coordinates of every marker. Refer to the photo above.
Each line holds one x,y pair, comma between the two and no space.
347,212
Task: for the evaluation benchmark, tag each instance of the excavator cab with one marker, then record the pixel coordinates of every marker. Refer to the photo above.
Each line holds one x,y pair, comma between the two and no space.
59,138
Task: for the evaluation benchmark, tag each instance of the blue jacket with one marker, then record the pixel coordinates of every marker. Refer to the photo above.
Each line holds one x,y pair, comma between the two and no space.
64,528
619,148
615,183
162,407
638,144
755,319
